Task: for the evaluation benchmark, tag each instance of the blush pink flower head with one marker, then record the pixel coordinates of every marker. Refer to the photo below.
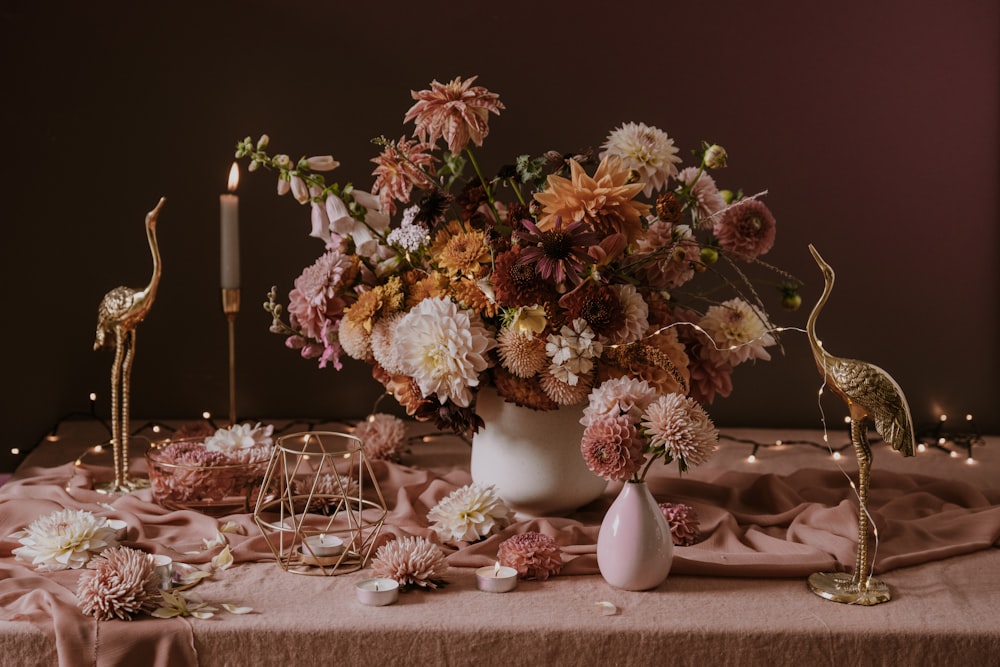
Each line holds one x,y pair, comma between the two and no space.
683,522
532,554
611,447
746,229
456,111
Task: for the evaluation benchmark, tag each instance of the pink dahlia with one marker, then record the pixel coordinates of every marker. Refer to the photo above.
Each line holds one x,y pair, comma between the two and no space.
708,200
683,522
456,111
317,302
532,554
612,448
122,584
746,229
402,165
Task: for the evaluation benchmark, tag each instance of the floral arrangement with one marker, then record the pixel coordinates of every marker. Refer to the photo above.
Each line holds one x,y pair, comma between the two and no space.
626,420
534,555
64,540
198,468
552,275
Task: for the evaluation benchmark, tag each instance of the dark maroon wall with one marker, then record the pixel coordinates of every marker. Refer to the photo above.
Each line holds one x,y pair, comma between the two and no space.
873,125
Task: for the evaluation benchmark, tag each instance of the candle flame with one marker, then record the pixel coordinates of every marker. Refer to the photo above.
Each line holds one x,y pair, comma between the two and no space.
234,177
496,569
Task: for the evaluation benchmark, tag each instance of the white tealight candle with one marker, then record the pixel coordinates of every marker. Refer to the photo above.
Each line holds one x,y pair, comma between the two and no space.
323,545
229,226
377,592
496,578
164,568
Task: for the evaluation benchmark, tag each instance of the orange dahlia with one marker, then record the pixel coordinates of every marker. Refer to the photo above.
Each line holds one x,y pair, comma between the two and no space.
605,200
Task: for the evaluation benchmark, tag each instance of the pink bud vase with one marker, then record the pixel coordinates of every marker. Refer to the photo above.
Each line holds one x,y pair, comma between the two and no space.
634,548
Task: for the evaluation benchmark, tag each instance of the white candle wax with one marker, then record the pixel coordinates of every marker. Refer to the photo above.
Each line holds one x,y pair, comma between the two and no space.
164,568
377,592
496,578
323,545
229,233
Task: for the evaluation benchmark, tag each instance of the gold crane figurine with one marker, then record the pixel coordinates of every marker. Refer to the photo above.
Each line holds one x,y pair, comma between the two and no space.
120,312
870,393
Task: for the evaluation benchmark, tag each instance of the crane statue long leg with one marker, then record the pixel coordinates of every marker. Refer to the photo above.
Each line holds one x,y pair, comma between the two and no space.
870,393
120,312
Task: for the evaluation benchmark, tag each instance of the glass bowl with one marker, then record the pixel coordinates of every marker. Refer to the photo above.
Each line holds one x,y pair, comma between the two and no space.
217,489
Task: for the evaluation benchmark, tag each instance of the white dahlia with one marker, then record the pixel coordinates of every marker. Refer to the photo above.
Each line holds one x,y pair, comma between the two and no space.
647,150
64,540
444,349
737,331
469,513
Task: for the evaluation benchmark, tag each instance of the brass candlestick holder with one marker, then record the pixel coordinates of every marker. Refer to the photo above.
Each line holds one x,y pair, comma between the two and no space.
231,308
119,314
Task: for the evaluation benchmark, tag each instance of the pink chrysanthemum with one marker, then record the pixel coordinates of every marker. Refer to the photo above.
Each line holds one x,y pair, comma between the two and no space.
456,111
532,554
612,448
683,522
384,436
411,561
746,229
680,427
122,584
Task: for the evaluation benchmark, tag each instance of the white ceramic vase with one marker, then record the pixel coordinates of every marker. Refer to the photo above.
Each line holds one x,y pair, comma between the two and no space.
634,547
532,457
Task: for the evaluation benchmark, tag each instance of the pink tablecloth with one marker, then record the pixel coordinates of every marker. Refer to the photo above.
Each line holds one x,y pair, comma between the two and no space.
765,527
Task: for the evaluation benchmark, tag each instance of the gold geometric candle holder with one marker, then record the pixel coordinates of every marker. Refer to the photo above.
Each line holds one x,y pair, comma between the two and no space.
320,508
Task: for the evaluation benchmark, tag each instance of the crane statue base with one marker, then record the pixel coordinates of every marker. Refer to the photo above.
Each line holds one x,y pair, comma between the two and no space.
841,587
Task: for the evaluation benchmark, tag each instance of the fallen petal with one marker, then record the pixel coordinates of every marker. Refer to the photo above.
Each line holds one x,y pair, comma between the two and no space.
233,609
607,608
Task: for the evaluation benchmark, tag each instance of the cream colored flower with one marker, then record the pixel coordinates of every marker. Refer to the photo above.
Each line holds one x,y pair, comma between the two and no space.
240,436
647,150
521,352
443,349
469,514
64,540
737,331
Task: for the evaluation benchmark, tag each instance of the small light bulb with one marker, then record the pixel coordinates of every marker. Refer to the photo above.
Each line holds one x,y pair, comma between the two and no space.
371,418
836,456
206,415
970,461
921,447
778,443
751,458
15,451
954,455
944,418
968,418
941,441
847,420
156,428
93,396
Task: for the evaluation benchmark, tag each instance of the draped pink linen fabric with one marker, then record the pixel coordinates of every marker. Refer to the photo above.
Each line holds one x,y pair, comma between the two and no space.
763,525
